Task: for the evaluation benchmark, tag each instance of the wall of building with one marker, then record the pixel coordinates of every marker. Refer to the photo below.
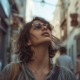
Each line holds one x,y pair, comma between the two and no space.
17,20
67,8
56,25
73,31
25,9
4,31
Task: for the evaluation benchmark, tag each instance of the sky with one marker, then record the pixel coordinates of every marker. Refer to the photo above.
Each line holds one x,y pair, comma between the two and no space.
44,10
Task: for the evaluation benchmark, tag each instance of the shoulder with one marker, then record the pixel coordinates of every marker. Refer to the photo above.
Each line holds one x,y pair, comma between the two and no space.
66,74
64,69
68,57
5,72
6,68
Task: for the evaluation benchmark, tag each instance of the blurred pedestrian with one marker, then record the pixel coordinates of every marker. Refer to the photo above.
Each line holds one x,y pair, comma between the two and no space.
64,59
35,53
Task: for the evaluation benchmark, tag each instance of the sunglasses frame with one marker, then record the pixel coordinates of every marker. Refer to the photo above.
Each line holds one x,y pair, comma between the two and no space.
40,25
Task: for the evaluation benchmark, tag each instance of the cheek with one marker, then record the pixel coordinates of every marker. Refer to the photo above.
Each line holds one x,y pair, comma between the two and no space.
34,39
35,35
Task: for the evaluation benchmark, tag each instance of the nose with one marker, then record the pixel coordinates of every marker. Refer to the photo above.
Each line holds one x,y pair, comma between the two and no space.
44,27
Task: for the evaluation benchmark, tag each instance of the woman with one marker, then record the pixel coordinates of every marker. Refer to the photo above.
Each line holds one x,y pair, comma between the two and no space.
35,53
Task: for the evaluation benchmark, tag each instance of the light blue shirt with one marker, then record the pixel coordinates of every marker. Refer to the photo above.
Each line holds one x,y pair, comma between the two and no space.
64,60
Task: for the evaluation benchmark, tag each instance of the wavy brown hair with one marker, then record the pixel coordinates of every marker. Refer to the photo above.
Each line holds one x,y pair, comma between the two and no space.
24,51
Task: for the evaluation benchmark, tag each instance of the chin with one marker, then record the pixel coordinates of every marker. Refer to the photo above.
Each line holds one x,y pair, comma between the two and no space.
47,41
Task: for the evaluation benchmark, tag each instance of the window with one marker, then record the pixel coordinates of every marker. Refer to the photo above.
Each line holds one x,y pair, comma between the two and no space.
78,45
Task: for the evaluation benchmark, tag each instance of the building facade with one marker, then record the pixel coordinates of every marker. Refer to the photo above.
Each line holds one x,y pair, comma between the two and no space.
22,11
17,20
70,28
56,24
4,31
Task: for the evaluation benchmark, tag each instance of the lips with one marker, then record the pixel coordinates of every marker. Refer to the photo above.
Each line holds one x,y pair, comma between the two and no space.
45,34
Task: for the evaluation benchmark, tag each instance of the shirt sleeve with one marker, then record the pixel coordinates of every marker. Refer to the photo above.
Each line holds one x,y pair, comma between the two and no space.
5,73
70,75
67,74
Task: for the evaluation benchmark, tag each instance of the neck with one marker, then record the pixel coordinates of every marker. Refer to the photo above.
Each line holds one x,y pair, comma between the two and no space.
41,57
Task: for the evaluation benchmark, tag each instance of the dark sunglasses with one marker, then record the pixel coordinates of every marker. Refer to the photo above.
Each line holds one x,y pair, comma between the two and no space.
38,25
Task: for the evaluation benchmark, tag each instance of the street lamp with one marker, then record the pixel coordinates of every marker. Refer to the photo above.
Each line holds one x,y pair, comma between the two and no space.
44,2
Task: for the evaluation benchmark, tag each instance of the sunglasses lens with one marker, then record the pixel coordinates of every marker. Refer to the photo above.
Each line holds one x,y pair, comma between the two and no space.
37,25
47,25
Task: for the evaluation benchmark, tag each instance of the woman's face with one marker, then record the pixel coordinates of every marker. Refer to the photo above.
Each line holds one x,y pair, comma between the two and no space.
40,33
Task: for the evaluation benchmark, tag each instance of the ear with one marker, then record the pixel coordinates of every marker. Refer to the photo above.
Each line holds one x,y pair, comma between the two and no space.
29,43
